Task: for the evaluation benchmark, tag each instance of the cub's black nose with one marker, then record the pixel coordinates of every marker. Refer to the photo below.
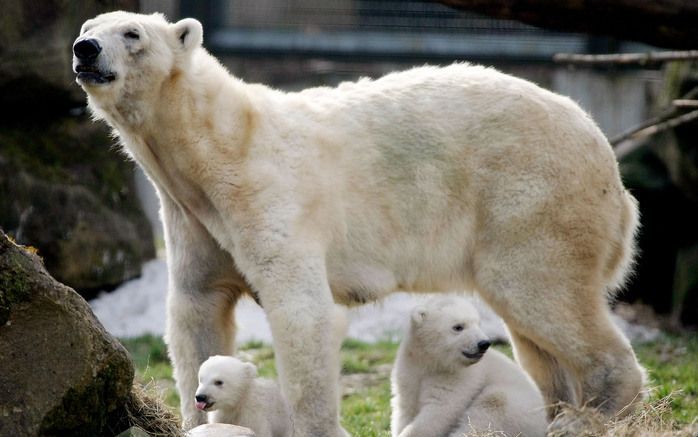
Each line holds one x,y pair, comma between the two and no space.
201,398
483,345
86,49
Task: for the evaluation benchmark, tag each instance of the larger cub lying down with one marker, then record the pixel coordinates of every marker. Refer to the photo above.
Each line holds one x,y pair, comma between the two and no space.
446,383
431,179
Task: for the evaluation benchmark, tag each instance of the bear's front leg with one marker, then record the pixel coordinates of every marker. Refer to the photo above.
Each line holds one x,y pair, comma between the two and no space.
297,300
204,286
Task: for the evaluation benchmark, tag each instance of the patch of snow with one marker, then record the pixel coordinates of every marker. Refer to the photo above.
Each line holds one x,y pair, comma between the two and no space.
138,307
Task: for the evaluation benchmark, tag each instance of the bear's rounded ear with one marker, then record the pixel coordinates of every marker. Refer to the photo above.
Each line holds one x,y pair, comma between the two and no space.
189,33
250,370
418,315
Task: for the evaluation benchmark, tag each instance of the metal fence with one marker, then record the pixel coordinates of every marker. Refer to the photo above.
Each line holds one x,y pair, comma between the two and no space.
370,29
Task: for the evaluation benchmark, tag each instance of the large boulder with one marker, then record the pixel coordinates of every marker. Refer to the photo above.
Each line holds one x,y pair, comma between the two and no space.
63,189
61,373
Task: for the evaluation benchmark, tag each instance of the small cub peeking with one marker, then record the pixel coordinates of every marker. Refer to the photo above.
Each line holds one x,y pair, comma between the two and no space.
230,392
446,382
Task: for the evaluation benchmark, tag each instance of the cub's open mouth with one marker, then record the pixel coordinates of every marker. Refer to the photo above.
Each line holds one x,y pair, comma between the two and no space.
204,405
91,74
475,356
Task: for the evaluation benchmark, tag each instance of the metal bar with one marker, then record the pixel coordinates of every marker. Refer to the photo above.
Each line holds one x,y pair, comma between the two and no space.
367,44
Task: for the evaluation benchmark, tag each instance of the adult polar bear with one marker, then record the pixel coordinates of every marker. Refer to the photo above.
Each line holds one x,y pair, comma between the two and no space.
430,179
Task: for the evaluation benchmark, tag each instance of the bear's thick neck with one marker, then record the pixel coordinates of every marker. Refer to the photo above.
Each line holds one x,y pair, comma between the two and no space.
193,121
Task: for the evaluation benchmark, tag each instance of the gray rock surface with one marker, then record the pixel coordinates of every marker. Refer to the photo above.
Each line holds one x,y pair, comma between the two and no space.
134,431
220,430
61,373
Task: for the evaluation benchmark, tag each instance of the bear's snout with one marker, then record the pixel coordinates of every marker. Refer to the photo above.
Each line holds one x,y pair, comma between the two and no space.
203,402
476,353
86,65
483,345
86,49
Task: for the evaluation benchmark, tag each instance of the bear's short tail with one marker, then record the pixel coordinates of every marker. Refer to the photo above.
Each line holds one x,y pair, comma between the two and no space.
622,260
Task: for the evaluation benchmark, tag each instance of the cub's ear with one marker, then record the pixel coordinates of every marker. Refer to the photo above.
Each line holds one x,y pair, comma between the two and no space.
250,370
189,33
419,314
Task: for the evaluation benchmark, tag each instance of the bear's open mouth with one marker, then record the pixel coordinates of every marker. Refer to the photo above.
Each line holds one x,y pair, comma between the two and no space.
92,74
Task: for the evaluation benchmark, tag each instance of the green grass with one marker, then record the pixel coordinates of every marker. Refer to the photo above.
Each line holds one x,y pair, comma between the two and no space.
672,364
359,357
367,414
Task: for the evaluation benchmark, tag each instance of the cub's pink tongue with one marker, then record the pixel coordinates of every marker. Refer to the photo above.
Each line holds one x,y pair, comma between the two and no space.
201,405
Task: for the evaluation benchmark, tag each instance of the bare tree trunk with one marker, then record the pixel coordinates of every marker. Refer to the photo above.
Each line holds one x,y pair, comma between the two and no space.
663,23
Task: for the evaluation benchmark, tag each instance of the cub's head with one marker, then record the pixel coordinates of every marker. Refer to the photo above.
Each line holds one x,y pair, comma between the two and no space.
223,381
447,330
122,55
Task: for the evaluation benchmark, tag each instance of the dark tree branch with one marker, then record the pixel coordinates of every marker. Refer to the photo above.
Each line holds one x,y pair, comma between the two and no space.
661,117
626,58
624,148
663,23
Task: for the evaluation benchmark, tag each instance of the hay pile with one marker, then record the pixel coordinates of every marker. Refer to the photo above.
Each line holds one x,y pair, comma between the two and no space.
649,420
148,412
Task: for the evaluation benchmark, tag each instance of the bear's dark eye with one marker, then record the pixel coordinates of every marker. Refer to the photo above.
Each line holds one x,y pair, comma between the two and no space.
218,382
458,328
131,34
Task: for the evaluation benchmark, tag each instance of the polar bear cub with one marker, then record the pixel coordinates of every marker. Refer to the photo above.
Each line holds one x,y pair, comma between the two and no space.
445,382
231,392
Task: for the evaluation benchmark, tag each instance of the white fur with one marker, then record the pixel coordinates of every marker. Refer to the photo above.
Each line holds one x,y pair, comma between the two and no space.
437,391
240,398
428,179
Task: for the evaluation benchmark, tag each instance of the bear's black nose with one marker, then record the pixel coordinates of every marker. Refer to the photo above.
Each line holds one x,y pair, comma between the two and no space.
86,49
201,398
483,345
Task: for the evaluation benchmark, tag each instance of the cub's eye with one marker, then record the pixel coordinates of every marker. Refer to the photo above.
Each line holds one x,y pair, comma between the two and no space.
458,328
131,34
218,382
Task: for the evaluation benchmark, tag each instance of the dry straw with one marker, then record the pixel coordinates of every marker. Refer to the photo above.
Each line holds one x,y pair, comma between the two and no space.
650,419
147,411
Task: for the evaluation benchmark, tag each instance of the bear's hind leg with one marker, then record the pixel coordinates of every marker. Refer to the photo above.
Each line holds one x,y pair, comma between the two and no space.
564,318
550,376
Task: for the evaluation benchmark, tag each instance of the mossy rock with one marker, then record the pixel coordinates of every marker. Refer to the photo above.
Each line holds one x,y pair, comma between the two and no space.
69,194
63,373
